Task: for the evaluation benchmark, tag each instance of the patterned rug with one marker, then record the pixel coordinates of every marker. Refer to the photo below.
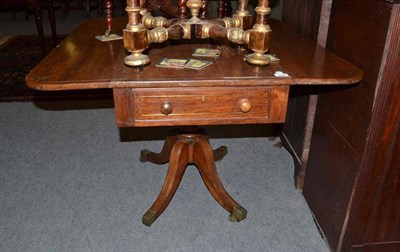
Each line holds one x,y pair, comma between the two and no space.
18,55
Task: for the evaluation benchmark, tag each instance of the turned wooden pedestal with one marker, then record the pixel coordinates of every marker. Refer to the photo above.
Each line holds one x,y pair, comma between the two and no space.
180,151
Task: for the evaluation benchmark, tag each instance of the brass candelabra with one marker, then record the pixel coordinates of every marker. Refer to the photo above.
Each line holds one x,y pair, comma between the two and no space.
143,29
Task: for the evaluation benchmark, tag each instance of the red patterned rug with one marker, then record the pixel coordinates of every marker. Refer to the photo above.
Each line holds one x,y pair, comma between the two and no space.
18,55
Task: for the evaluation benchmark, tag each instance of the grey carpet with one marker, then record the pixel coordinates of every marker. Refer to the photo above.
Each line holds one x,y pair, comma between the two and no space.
70,180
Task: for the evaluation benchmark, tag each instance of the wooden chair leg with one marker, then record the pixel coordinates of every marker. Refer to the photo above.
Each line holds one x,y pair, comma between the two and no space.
182,9
100,8
203,10
37,10
203,158
64,9
227,8
177,166
14,16
87,7
52,22
220,9
163,156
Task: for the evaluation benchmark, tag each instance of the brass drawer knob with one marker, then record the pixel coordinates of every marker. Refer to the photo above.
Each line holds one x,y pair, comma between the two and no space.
244,105
166,108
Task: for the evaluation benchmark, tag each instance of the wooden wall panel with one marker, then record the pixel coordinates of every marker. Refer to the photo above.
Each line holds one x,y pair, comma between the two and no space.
376,199
352,183
350,111
343,124
303,15
385,219
331,173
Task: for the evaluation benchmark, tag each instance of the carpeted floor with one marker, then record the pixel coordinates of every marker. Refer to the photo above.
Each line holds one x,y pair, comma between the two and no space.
71,181
19,54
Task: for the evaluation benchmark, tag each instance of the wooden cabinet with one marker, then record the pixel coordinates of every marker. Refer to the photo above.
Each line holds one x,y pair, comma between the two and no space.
352,176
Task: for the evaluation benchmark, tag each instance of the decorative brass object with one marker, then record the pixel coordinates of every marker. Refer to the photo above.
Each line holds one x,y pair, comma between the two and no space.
166,108
238,214
194,6
135,36
148,218
244,105
143,29
143,154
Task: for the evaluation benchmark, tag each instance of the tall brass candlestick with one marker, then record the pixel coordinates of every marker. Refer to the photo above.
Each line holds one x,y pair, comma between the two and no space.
260,35
135,36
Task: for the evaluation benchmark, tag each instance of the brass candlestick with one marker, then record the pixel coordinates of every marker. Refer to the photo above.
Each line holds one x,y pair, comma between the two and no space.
135,36
260,36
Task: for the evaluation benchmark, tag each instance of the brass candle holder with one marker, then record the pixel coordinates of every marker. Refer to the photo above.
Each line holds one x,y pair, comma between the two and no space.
143,29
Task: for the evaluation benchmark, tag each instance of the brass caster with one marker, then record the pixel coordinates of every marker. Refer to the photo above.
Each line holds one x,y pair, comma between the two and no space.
224,150
143,154
238,214
149,217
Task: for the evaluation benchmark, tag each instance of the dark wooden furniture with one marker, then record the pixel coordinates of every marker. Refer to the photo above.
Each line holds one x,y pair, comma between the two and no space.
170,10
80,5
223,93
352,176
36,6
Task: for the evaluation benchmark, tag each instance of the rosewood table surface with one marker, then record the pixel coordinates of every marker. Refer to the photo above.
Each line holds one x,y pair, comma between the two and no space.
229,91
82,62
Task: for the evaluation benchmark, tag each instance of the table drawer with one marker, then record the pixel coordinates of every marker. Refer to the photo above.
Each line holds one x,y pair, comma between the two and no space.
203,106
